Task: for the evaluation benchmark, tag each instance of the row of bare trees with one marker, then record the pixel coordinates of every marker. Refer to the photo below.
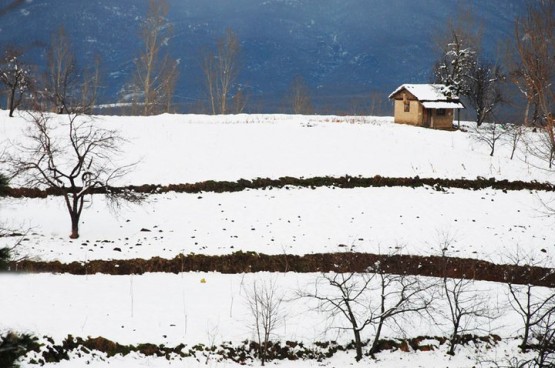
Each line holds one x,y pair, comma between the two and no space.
151,88
375,299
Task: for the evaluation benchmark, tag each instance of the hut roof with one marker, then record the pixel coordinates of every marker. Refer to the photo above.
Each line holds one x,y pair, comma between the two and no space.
427,92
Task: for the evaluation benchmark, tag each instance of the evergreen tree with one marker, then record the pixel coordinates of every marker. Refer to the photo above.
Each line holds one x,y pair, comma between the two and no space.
13,346
4,181
5,256
455,66
15,76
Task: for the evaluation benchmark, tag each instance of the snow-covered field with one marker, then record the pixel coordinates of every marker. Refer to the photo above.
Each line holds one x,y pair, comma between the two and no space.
172,309
484,224
191,148
135,309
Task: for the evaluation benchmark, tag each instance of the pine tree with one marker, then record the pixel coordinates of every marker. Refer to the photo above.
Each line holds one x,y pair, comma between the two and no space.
454,68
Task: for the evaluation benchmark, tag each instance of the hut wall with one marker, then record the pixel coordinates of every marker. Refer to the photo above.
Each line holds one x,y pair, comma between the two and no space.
413,117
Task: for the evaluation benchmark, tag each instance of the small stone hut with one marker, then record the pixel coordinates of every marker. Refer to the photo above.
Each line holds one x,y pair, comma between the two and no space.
425,105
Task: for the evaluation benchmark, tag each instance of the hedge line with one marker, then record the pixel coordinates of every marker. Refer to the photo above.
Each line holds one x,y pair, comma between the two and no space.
314,182
241,262
244,353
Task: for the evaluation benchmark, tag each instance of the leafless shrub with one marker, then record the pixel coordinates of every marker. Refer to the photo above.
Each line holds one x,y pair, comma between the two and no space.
514,136
265,306
466,308
490,134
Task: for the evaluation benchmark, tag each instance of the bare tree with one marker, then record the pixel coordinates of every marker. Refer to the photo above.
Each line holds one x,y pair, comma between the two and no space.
239,100
15,76
484,89
299,97
89,87
490,134
75,158
220,70
370,299
399,296
62,72
466,307
514,135
535,72
533,304
532,308
542,145
153,84
264,301
377,101
545,335
348,299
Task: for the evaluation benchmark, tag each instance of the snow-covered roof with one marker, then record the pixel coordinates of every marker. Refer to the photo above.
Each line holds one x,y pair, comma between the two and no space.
442,105
426,92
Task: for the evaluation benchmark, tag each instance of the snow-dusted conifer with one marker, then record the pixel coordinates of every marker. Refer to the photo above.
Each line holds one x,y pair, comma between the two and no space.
15,76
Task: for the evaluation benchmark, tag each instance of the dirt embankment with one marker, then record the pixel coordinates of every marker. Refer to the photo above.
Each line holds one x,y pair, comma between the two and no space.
241,262
324,181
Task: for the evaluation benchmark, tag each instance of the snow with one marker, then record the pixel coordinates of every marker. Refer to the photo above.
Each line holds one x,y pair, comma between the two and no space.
443,105
426,92
135,309
191,148
171,309
483,224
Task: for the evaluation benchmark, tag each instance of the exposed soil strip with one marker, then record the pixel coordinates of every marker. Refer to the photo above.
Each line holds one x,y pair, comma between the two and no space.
324,181
241,262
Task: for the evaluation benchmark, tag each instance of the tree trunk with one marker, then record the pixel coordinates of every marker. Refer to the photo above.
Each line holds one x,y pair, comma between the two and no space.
74,225
356,331
454,337
376,338
358,344
514,149
11,102
524,345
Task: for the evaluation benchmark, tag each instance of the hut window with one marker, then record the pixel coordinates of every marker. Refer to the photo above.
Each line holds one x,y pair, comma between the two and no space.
440,112
407,105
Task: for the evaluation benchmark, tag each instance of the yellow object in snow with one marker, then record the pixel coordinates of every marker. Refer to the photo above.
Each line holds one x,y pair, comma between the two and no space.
203,281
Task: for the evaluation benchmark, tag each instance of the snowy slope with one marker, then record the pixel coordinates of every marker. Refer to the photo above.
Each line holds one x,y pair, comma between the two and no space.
171,309
192,148
135,309
484,224
344,49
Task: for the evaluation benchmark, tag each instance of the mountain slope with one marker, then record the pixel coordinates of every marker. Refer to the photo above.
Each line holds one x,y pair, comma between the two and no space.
342,48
